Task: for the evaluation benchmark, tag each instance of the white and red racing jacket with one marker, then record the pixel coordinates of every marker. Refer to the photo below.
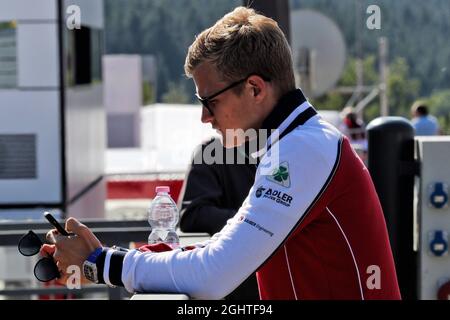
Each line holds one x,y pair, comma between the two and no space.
312,226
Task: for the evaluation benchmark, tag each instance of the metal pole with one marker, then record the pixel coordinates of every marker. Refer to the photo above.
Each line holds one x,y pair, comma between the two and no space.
383,51
277,10
359,53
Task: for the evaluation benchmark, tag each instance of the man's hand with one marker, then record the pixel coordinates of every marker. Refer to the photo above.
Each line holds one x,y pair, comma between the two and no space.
71,250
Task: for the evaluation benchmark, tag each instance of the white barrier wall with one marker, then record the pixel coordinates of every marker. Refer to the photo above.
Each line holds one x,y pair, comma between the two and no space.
433,215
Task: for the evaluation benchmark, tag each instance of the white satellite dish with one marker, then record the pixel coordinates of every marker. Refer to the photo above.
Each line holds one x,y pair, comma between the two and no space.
319,51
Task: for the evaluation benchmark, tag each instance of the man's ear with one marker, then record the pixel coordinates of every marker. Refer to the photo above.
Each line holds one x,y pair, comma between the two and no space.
258,86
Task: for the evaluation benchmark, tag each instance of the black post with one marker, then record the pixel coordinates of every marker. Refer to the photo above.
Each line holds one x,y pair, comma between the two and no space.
392,167
277,10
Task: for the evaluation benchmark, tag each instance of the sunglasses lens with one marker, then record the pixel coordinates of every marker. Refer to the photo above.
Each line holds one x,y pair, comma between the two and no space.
29,244
205,104
46,270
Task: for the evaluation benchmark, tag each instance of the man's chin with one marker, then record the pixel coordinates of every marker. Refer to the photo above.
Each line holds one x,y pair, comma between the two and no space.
231,143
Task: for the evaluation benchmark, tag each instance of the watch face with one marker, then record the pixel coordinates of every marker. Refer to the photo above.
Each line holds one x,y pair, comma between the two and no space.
90,271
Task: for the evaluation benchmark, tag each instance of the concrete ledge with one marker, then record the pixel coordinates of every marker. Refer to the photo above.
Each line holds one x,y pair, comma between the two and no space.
159,296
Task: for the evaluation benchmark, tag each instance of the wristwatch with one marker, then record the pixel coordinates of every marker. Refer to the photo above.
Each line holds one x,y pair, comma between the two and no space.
90,266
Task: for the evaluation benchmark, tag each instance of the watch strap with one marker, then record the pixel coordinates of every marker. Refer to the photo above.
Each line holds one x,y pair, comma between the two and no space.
94,255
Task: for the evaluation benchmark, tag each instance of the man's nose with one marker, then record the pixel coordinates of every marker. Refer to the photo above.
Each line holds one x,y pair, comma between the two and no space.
206,116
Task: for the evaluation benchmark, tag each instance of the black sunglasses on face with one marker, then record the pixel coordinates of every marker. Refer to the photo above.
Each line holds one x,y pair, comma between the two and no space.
45,269
205,101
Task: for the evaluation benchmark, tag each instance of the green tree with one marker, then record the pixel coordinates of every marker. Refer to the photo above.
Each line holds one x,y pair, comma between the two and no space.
163,28
336,101
439,104
175,94
403,89
416,30
148,93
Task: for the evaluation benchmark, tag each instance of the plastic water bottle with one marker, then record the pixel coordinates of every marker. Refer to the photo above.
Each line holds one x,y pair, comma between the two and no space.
163,218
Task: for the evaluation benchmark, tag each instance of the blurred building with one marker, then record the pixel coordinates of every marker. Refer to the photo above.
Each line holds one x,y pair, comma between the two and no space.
129,83
52,119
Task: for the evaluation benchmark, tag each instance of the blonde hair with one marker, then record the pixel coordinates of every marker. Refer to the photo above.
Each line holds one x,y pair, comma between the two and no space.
243,43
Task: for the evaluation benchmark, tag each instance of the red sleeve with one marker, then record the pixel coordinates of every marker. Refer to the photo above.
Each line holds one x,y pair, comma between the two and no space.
157,247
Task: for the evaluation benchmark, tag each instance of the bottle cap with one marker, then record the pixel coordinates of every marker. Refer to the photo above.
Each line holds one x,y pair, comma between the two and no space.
165,189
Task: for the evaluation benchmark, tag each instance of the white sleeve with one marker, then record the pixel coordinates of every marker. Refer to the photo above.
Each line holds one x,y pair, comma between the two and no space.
272,209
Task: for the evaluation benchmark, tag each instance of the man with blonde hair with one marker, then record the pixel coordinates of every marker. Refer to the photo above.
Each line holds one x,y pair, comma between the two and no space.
312,229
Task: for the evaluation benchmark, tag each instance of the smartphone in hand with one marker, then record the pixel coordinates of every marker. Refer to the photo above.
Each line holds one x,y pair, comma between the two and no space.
56,224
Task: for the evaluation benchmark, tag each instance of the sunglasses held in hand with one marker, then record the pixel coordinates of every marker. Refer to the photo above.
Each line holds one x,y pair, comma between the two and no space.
45,269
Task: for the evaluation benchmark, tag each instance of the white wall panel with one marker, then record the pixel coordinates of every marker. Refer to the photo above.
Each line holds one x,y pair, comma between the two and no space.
37,55
35,112
27,10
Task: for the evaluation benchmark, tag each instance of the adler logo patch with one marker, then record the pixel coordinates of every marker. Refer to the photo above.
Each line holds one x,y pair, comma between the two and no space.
274,195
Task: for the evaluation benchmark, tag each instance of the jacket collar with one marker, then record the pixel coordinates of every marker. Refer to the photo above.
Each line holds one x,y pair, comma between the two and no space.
282,110
284,107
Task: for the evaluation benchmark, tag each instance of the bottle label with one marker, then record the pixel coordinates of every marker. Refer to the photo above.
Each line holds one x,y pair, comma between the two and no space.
163,234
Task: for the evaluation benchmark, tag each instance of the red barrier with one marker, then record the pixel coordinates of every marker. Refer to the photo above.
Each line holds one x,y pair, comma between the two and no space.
141,189
57,296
